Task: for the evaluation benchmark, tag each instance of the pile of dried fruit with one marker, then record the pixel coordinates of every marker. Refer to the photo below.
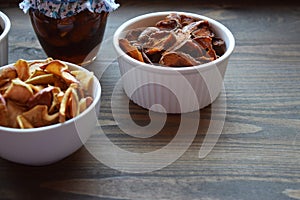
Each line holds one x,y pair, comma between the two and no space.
176,41
42,93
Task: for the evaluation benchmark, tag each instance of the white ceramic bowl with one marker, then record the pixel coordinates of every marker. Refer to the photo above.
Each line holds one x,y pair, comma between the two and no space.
170,89
5,24
46,145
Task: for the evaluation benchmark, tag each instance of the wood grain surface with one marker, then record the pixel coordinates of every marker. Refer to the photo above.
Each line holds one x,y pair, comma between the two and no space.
258,153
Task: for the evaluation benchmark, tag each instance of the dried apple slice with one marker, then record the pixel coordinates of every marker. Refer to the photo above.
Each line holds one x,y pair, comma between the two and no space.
73,104
85,79
4,81
63,110
37,72
22,68
23,122
54,67
84,103
13,110
68,77
57,95
7,74
38,116
3,112
60,69
43,79
43,97
36,65
18,91
4,84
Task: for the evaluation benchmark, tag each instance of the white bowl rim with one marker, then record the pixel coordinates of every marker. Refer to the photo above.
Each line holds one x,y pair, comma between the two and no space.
7,25
150,67
53,126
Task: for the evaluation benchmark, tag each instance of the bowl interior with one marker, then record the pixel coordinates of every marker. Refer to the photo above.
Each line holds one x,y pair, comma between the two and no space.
152,18
96,94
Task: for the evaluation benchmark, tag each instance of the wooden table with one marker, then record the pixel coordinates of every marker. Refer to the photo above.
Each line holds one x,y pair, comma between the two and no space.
258,153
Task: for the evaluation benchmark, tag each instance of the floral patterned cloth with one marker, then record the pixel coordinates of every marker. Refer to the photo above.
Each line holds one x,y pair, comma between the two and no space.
65,8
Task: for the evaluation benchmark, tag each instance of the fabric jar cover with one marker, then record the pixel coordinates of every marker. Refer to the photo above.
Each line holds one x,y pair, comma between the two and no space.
60,9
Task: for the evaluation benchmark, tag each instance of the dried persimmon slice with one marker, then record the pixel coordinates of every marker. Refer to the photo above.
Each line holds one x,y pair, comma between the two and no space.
206,44
131,50
178,59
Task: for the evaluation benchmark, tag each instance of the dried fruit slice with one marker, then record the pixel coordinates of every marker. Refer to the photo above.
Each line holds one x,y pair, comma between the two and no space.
195,26
69,104
13,110
57,96
174,16
43,79
206,44
145,35
60,69
203,32
3,112
133,35
7,74
169,23
177,59
54,67
22,68
36,65
23,122
185,20
84,103
219,46
43,97
73,104
192,48
130,50
38,116
159,42
18,91
85,79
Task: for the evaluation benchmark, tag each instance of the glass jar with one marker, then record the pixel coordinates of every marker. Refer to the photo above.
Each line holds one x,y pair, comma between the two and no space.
74,39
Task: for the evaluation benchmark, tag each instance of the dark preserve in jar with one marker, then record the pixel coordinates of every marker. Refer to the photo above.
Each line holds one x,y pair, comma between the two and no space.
74,39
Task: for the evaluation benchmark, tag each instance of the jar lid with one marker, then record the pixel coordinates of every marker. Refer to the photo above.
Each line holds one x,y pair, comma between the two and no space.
59,9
